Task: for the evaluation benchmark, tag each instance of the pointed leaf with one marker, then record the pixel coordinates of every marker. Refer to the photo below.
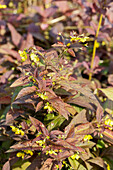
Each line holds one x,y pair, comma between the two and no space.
20,82
56,122
108,92
39,126
28,145
25,99
47,164
76,164
71,52
82,101
6,166
99,113
39,106
13,114
76,120
84,129
98,161
16,37
25,91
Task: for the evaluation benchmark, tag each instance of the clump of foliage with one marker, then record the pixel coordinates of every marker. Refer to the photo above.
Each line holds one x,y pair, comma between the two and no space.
55,120
51,116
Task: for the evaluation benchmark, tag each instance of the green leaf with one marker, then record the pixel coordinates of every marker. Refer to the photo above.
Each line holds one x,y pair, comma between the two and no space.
100,144
56,122
76,164
19,165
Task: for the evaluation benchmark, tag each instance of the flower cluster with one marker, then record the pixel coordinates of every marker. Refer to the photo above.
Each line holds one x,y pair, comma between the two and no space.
41,143
23,55
87,138
49,107
75,156
17,130
79,38
34,58
55,152
42,96
109,123
22,154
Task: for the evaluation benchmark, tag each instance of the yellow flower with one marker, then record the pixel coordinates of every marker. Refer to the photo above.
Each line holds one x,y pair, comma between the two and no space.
34,57
97,44
40,142
101,135
79,38
20,154
2,6
17,132
42,96
75,156
87,137
49,107
109,122
28,152
51,152
13,128
22,132
57,166
68,44
60,150
23,55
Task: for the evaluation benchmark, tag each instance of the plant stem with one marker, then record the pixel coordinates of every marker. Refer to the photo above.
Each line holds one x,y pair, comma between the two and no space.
95,45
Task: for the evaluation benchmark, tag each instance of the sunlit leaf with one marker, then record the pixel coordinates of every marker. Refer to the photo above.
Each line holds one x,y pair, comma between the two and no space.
108,92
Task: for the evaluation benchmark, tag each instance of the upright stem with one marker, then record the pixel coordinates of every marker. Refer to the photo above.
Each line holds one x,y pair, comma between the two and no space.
95,45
